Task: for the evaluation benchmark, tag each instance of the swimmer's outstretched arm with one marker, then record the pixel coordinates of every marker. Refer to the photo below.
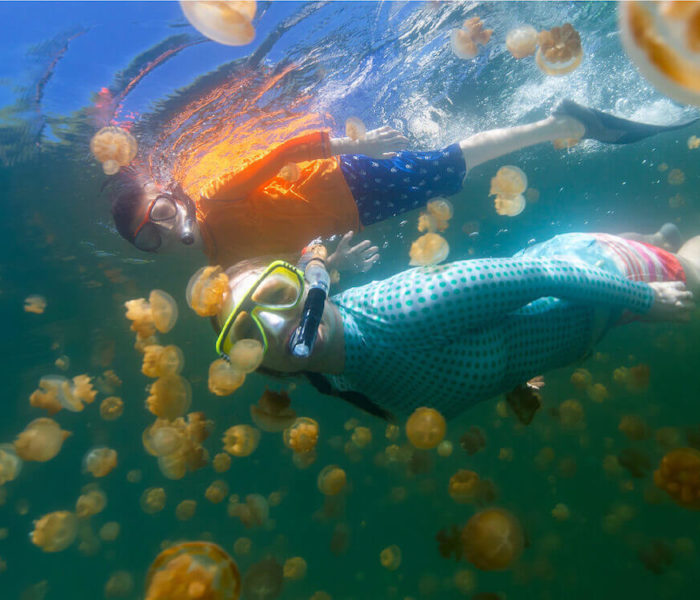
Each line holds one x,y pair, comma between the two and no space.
447,301
312,146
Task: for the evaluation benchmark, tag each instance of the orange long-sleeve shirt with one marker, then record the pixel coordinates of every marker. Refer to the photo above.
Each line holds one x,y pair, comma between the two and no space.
254,212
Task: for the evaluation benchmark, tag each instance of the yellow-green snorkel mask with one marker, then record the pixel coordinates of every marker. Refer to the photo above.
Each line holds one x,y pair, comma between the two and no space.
279,287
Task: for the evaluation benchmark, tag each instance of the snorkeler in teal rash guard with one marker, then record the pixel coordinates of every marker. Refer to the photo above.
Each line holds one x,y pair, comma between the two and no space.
452,335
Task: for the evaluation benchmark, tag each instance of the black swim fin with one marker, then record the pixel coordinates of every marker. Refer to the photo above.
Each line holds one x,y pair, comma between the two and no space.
609,129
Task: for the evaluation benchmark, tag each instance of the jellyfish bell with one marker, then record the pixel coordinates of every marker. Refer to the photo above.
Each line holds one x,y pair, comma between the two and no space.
290,172
114,147
263,580
163,310
162,438
679,476
465,41
162,360
246,355
191,571
91,502
331,480
169,397
522,41
10,463
241,440
559,51
207,290
55,531
224,379
355,129
100,461
441,209
226,22
509,181
390,557
41,440
664,44
302,435
509,207
429,249
425,428
111,408
273,412
492,539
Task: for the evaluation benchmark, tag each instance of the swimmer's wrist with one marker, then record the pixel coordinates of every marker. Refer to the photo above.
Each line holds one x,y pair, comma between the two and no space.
344,145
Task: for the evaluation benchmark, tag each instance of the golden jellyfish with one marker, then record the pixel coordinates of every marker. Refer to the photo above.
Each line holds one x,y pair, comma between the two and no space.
634,427
390,557
111,408
473,441
663,40
163,310
55,392
465,41
676,201
242,546
185,510
246,355
492,539
331,480
41,440
62,362
273,412
522,41
162,360
163,438
10,463
138,311
224,379
153,500
241,440
662,167
445,448
392,432
207,290
169,397
221,462
561,512
294,568
440,212
361,437
302,435
428,249
55,531
263,580
216,492
464,486
693,142
100,461
425,428
597,392
679,476
303,460
35,304
465,582
427,222
676,177
119,585
91,502
508,186
254,512
114,147
109,531
355,129
193,571
226,22
290,172
559,51
571,414
581,378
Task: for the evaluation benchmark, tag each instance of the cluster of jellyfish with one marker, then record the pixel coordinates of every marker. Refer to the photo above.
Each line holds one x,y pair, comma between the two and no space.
431,248
557,51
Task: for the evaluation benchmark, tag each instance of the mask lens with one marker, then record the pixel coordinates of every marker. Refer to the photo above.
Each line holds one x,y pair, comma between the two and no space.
245,328
280,289
164,209
148,239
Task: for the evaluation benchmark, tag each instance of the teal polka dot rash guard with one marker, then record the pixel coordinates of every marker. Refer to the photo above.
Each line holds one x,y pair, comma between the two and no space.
450,336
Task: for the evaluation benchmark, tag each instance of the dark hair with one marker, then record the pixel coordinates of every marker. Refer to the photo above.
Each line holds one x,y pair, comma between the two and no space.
126,189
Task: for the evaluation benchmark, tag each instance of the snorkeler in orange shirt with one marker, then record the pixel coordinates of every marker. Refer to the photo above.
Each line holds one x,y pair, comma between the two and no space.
343,184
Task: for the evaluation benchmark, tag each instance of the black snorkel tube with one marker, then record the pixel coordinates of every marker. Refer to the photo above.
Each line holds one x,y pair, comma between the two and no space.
313,260
189,224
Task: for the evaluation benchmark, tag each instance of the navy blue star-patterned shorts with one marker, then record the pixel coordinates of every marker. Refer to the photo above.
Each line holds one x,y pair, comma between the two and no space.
383,188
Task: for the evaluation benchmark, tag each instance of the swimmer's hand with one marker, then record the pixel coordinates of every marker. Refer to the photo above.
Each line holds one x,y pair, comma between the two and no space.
672,302
377,143
354,259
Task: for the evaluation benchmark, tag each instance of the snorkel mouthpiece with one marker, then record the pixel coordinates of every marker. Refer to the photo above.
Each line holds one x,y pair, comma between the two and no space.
302,342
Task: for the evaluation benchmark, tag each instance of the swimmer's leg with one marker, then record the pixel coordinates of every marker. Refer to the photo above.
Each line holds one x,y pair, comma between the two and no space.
609,128
668,237
487,145
689,257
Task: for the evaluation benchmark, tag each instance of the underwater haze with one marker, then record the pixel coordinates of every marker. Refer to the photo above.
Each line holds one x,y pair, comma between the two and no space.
579,478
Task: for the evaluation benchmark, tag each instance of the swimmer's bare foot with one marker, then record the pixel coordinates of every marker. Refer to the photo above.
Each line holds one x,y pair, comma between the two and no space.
525,400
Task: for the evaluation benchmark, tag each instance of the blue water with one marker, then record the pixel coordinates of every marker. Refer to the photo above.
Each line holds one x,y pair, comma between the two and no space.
387,63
